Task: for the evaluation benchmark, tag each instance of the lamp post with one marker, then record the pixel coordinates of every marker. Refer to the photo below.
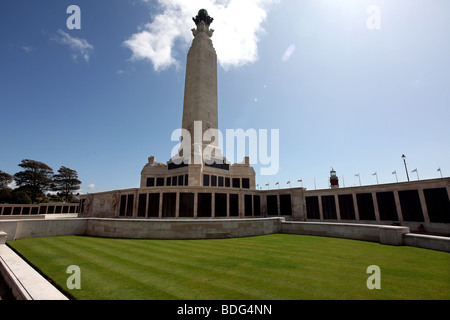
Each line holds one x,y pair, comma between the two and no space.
406,169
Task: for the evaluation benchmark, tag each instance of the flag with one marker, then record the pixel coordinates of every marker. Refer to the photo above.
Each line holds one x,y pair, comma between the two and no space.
257,185
276,183
356,174
267,184
394,172
288,182
299,180
374,174
415,170
439,169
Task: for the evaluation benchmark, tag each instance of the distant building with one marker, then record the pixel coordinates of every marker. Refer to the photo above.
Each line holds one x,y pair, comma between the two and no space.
334,180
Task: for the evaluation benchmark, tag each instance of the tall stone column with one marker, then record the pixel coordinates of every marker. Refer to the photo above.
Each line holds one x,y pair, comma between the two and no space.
213,204
278,205
320,207
160,208
398,206
177,205
423,204
375,206
147,200
200,108
338,209
195,205
355,206
199,151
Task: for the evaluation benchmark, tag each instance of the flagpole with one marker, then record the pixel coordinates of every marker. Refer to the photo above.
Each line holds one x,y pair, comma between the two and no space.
376,176
417,172
359,179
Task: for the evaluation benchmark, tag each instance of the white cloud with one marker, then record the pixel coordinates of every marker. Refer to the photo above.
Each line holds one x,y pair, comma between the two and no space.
80,47
87,189
27,49
238,25
12,185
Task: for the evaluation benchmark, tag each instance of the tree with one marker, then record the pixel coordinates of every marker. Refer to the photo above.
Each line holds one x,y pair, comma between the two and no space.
20,196
66,181
37,177
5,195
5,179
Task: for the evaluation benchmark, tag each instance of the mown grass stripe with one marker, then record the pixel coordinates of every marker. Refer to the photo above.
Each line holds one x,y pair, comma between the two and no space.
212,275
170,273
96,272
155,283
266,267
246,275
187,267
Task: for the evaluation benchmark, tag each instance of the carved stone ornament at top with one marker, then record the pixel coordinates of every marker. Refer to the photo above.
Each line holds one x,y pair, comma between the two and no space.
203,21
153,163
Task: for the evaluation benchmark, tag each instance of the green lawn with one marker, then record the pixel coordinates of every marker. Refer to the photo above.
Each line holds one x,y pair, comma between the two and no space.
278,266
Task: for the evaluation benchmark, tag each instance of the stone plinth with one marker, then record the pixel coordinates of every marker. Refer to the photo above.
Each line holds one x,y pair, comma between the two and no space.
183,229
391,235
3,237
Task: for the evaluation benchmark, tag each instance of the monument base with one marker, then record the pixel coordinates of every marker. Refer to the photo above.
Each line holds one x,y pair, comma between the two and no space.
158,174
195,202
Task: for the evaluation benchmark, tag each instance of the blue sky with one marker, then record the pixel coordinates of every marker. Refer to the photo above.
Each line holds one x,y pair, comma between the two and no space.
347,97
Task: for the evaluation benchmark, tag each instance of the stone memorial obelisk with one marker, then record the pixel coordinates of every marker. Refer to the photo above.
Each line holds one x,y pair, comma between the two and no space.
199,158
200,93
